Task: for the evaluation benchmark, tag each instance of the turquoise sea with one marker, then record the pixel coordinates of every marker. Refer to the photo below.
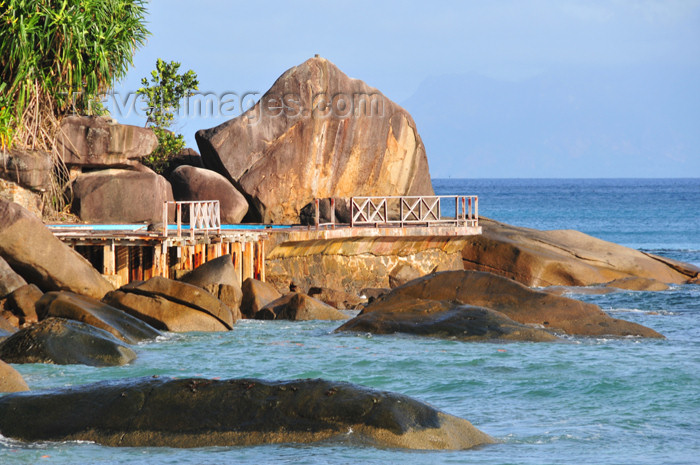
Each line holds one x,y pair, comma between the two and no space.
587,401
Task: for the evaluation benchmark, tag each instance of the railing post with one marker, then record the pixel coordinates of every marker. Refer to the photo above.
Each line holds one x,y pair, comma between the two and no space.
165,219
476,209
333,211
317,217
179,219
193,218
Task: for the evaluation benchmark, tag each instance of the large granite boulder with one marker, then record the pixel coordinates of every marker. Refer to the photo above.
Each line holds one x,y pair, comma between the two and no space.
65,342
155,412
317,133
256,294
93,312
444,320
9,280
40,258
296,306
172,306
30,169
563,258
98,142
190,183
121,196
516,301
11,380
220,279
28,199
22,302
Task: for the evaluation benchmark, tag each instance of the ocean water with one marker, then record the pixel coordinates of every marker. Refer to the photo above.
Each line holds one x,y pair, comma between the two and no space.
588,400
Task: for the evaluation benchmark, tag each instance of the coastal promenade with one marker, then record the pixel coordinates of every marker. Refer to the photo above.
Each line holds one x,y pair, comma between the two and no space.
191,234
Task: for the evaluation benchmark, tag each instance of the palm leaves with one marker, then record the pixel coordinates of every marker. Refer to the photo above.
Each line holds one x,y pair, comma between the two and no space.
58,56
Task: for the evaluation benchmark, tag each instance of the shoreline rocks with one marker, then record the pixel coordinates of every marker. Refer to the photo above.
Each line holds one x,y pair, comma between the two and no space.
148,412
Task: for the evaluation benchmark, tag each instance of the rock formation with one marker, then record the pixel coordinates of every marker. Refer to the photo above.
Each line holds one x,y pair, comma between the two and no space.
10,379
296,306
563,258
317,133
154,412
516,301
256,294
444,320
40,258
65,342
190,183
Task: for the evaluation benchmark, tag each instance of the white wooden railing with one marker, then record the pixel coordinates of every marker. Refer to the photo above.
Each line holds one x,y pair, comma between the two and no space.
414,210
204,216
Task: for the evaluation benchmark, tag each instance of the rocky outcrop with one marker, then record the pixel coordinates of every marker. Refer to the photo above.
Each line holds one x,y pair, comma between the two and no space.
9,280
351,264
443,320
190,183
121,196
296,306
563,258
28,199
150,412
22,303
256,294
172,306
11,380
95,313
65,342
29,168
98,142
40,258
516,301
220,279
317,133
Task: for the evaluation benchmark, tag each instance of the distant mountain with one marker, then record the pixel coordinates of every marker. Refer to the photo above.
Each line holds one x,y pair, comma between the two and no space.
622,122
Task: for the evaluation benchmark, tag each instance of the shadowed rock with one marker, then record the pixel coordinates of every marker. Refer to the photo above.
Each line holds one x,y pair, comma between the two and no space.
516,301
316,133
9,280
150,412
190,183
65,342
42,259
444,320
296,306
93,312
335,298
23,303
563,258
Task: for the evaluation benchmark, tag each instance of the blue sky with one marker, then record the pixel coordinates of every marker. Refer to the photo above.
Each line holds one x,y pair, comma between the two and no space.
497,89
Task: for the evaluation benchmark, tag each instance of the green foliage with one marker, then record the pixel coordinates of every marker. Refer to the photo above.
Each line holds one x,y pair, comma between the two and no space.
163,96
59,56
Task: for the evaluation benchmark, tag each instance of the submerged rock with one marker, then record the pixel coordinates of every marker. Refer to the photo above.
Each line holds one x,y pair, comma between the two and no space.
563,258
317,133
150,412
443,319
98,314
516,301
65,342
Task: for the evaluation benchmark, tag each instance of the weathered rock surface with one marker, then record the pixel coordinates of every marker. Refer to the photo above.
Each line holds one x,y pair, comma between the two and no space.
11,380
29,168
95,313
42,259
256,294
296,306
121,196
444,320
353,264
9,280
23,301
316,133
190,183
173,306
13,192
220,279
150,412
516,301
401,274
97,142
6,327
563,258
65,342
335,298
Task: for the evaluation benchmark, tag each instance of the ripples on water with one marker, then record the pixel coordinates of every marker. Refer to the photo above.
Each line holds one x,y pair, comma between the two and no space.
585,400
